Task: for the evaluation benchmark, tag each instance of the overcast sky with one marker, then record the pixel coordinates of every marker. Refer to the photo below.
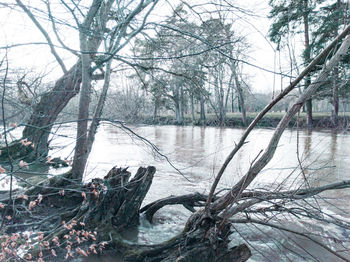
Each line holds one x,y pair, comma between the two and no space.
17,28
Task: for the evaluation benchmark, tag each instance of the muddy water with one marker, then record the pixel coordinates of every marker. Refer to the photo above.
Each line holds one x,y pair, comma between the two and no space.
198,152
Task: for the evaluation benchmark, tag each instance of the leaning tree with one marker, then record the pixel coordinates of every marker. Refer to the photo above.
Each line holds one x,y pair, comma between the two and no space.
116,23
87,218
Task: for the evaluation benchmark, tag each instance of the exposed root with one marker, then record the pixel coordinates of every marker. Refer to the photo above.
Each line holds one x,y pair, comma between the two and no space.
77,219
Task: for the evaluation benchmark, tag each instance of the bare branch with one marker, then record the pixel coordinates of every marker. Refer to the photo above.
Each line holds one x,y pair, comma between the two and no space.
255,221
233,195
45,34
269,106
54,28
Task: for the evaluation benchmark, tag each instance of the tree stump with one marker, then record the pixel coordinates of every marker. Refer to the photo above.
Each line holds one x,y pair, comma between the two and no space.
115,200
103,208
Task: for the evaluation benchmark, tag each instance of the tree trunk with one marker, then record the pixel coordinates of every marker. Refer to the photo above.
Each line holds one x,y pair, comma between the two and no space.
182,104
45,113
155,109
240,94
99,108
178,112
309,113
335,92
202,108
228,93
177,103
192,108
307,56
241,102
222,110
232,100
81,147
219,103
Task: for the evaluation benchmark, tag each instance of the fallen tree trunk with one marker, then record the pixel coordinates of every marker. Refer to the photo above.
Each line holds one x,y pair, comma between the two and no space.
189,247
77,219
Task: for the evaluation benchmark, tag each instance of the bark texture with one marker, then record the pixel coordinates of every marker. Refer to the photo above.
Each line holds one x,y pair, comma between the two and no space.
110,206
39,126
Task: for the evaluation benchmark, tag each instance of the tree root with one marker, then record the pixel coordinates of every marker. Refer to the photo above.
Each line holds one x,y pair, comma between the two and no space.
87,219
188,201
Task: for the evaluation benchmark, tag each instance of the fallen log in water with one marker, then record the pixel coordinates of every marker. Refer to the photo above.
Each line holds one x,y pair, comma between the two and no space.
71,219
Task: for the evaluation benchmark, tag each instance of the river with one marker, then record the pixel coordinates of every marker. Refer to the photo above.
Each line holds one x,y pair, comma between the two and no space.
198,153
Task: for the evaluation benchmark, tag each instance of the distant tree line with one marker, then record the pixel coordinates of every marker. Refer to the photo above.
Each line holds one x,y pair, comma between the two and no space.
192,68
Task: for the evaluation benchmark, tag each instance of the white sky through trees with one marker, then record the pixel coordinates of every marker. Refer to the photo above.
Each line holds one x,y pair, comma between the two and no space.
16,28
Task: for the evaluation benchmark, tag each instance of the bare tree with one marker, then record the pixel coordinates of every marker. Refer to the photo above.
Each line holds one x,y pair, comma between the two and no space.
125,22
74,211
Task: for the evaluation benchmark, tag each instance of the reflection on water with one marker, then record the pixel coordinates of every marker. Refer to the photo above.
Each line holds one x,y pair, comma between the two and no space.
307,142
199,151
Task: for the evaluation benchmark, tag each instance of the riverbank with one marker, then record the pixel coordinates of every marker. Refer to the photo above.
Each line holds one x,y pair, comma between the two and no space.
270,120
